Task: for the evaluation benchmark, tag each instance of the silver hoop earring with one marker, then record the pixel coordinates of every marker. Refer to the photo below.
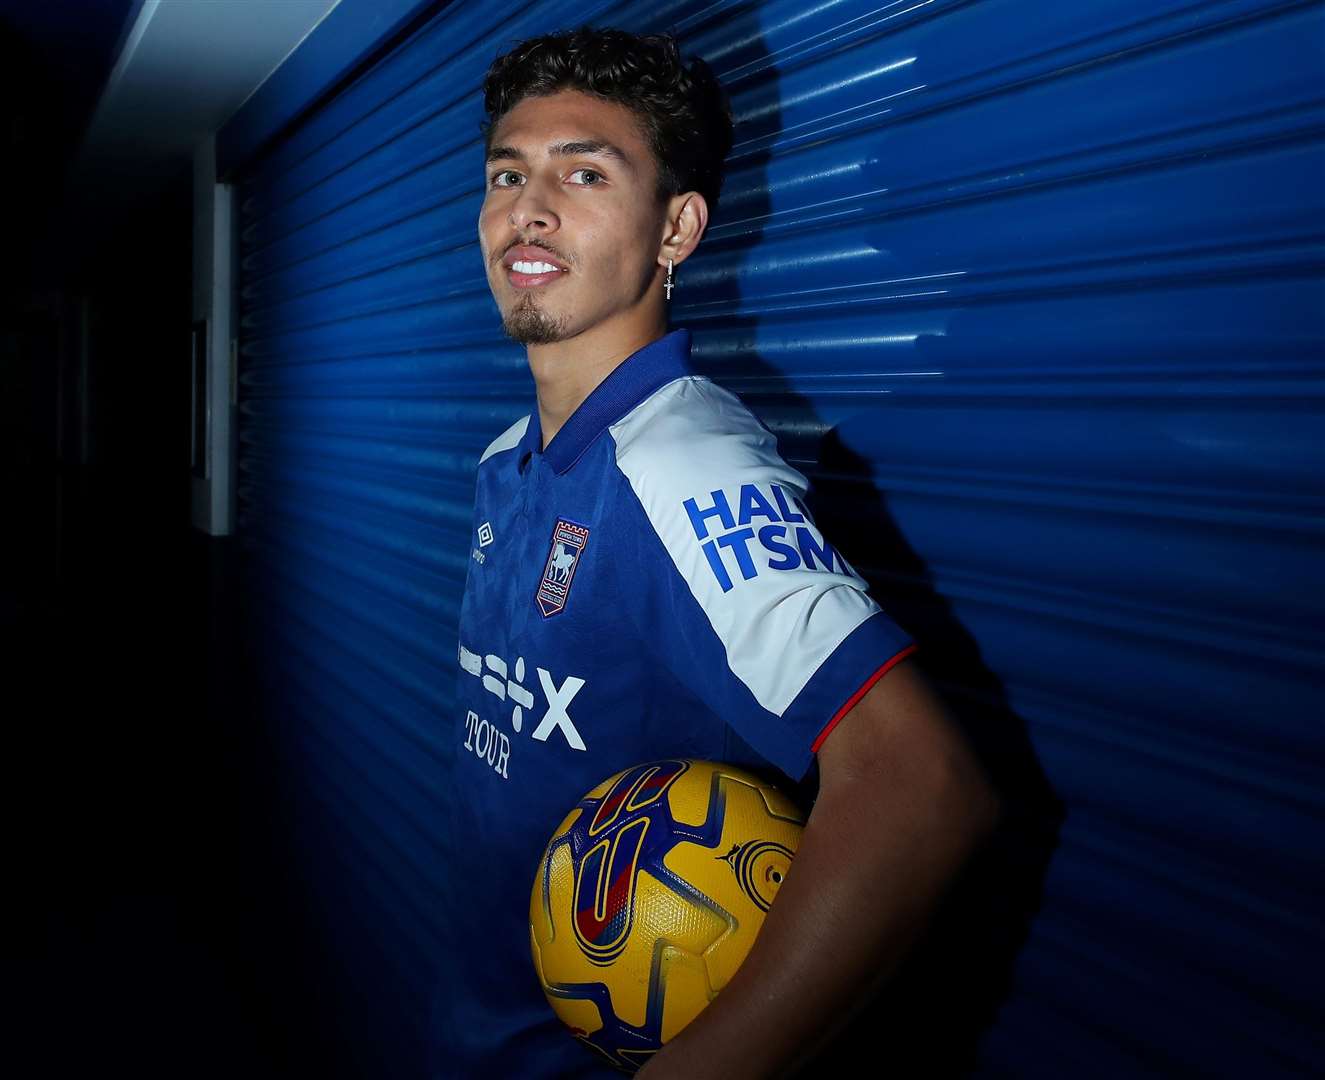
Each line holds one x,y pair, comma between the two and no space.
668,285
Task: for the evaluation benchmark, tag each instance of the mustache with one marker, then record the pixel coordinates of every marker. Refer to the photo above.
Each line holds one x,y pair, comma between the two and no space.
565,259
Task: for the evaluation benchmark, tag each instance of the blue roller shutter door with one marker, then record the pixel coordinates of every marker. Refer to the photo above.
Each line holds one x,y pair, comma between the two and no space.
1033,292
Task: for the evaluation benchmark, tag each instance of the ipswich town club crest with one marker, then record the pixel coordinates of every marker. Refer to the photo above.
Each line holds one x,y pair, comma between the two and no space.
568,544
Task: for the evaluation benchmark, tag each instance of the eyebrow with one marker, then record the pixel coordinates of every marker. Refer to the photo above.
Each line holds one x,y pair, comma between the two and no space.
576,148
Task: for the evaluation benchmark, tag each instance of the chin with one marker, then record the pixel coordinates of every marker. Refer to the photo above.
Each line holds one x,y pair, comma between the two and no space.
528,325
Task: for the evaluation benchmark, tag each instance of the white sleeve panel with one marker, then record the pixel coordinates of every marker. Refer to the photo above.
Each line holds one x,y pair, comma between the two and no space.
507,440
730,513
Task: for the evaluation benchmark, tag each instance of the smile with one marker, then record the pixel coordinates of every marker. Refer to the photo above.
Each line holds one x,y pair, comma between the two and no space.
528,266
530,273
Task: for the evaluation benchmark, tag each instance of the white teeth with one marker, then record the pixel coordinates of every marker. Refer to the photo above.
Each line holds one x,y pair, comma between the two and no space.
522,267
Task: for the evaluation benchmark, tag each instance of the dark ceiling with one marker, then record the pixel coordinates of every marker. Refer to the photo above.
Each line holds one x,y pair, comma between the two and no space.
54,61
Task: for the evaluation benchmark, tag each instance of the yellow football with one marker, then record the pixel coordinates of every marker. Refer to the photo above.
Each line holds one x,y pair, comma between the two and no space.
649,895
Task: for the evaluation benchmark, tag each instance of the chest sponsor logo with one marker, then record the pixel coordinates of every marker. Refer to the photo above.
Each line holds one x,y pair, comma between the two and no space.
761,517
505,682
568,543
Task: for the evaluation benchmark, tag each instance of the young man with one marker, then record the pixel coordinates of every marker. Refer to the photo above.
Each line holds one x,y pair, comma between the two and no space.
646,582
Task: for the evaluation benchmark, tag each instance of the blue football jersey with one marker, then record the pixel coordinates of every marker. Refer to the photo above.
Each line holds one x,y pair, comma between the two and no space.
651,585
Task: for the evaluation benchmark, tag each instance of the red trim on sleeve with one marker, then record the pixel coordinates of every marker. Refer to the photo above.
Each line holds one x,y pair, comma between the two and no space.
855,698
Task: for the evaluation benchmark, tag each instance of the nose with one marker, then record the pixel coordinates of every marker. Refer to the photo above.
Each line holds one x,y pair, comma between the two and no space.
531,211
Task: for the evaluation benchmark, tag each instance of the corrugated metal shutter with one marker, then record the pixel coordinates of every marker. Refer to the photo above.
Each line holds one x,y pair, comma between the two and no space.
1033,291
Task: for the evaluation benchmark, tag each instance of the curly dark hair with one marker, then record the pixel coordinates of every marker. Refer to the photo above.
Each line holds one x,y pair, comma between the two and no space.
681,107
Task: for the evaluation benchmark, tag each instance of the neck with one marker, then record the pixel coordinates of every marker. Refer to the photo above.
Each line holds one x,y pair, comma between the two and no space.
567,372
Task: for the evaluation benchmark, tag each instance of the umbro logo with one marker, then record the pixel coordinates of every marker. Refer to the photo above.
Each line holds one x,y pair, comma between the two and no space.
485,534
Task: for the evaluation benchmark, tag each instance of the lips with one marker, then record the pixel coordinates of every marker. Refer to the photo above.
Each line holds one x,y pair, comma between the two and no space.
528,266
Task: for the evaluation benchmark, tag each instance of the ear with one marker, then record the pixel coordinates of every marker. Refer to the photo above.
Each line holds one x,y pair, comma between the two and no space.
683,227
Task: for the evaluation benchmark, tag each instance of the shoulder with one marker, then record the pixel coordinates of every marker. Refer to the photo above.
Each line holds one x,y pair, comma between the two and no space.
742,558
693,433
507,440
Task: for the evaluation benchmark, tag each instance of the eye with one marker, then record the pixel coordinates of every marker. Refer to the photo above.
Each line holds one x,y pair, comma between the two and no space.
589,177
507,178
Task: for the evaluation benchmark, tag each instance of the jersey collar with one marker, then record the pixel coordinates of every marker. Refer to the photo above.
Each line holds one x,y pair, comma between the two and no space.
629,383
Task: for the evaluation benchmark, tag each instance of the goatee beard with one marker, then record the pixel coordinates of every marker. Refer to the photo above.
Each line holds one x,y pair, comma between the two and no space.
527,325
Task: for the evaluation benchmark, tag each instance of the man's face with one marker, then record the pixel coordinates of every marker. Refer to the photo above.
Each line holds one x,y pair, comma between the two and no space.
571,222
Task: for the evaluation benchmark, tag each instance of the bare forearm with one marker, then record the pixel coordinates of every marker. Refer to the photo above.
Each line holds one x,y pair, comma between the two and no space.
880,847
